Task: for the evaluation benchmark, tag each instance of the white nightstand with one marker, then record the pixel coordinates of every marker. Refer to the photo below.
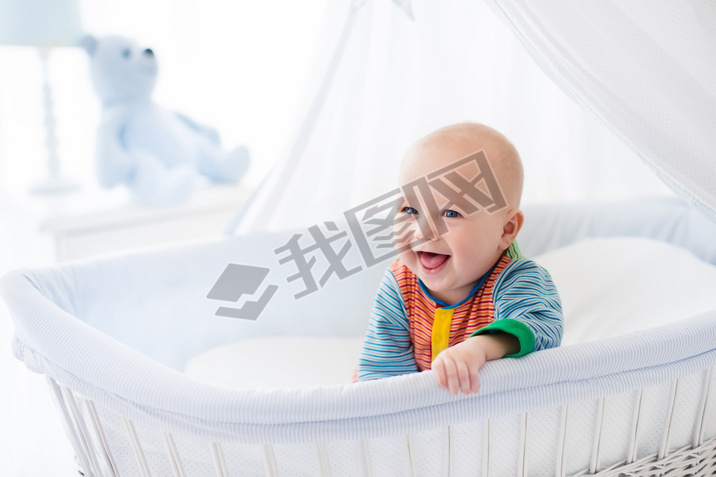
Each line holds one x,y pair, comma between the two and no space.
91,223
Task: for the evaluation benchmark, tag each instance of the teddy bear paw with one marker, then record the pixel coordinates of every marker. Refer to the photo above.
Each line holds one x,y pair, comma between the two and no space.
158,186
231,167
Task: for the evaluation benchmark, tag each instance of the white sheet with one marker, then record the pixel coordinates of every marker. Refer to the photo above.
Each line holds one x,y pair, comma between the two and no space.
613,286
608,286
281,361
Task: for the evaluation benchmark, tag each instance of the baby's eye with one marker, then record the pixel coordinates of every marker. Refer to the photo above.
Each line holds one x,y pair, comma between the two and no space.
126,53
451,214
410,211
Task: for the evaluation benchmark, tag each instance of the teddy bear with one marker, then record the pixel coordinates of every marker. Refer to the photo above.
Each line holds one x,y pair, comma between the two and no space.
157,154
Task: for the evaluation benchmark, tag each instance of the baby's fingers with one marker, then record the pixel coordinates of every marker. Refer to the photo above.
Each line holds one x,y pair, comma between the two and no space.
451,376
474,381
438,368
463,376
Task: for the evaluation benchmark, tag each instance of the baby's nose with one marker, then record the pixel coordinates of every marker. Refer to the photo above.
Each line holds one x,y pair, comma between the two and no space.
425,229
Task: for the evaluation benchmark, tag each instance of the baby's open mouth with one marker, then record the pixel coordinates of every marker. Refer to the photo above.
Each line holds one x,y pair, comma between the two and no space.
432,261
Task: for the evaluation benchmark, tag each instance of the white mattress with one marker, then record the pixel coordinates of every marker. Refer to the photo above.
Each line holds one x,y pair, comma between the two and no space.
608,287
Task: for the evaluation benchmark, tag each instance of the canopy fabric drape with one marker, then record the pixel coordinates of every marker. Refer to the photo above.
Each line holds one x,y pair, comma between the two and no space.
646,69
389,72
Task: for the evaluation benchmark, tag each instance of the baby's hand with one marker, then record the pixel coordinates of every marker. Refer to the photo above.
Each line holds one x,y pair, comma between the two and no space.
457,368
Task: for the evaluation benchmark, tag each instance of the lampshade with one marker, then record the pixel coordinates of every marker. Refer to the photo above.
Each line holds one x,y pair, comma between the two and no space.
41,23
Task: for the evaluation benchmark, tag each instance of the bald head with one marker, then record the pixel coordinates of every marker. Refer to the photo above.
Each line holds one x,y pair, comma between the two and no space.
445,146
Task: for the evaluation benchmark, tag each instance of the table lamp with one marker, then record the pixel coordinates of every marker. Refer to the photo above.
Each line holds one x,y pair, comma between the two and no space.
44,24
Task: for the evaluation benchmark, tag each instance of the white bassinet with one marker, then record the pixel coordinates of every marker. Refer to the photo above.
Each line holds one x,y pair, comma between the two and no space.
113,334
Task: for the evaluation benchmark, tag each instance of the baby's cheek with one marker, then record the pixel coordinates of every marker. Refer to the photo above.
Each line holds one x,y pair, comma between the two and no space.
409,259
403,230
402,241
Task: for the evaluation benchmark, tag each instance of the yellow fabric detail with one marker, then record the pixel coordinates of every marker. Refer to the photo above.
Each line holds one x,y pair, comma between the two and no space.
440,338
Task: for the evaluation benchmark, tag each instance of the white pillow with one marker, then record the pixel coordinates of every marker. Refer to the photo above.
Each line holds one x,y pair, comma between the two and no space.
608,287
612,286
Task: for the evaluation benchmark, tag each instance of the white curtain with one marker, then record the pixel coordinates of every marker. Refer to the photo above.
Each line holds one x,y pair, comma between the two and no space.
384,78
646,69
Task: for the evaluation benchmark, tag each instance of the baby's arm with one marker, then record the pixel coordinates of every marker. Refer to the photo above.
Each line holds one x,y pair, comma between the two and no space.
527,306
457,368
387,348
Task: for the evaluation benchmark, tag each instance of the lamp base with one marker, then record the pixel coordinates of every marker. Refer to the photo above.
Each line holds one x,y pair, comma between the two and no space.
54,185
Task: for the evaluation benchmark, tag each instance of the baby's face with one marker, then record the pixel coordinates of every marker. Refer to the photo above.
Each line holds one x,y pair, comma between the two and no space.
449,249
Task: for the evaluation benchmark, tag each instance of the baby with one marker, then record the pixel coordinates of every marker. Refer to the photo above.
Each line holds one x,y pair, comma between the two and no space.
461,293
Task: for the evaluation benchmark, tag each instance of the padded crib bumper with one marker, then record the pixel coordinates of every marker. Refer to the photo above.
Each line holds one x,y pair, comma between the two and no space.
52,342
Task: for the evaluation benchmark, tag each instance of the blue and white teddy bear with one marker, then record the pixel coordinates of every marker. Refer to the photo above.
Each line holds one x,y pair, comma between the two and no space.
156,153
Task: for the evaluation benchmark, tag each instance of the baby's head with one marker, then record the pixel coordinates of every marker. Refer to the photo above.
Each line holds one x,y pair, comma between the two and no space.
454,241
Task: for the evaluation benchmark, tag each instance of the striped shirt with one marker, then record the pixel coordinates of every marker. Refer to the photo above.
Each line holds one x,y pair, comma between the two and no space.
408,327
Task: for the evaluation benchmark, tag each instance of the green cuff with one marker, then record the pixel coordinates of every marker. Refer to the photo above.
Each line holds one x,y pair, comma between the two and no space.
515,328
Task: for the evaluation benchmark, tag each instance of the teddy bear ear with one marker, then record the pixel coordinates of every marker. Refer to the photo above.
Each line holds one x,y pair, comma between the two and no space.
89,44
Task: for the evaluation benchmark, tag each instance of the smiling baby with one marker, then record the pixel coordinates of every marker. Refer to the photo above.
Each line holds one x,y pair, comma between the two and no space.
461,293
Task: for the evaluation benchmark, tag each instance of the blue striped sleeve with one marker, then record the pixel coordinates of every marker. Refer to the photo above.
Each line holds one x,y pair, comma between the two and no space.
387,348
527,305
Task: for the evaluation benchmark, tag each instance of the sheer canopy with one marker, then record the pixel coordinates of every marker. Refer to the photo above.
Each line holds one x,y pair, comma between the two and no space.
642,77
646,69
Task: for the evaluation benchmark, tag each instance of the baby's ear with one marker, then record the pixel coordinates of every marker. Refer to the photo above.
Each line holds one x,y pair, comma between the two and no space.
512,226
